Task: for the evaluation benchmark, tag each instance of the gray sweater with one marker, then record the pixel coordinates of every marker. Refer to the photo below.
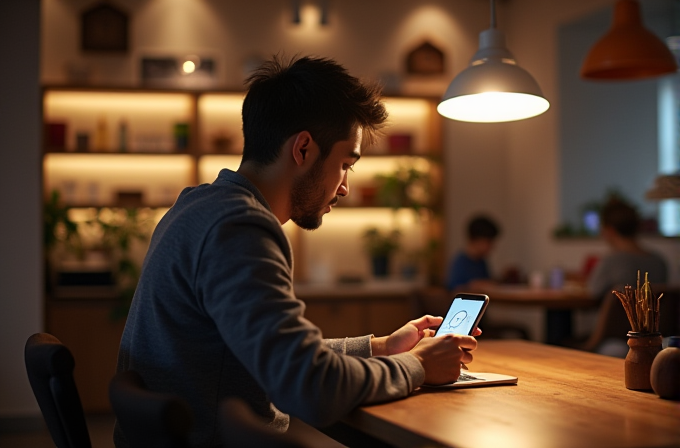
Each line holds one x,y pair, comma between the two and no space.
215,315
618,269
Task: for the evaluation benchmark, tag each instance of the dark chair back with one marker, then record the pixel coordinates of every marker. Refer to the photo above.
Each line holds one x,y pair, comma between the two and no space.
49,365
149,419
241,428
612,321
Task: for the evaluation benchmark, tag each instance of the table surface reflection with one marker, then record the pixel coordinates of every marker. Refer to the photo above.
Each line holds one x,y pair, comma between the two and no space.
565,398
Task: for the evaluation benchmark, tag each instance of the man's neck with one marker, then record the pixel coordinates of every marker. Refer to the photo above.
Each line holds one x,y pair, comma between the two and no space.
274,186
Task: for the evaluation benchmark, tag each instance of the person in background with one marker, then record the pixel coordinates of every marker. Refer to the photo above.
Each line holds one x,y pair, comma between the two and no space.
619,225
469,269
215,312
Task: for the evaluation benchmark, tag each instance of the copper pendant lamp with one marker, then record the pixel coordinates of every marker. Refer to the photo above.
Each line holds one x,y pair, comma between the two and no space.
628,51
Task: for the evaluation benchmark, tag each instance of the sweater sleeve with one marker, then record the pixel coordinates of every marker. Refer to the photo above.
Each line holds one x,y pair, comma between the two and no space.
244,283
360,346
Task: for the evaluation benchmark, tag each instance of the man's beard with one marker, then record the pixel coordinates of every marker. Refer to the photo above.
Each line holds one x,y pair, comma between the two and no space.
308,198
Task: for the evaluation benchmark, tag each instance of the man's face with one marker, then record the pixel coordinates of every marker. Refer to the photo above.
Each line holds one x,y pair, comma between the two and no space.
315,192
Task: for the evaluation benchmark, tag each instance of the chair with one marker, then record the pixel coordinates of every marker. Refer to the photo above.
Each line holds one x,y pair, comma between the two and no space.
149,419
49,365
612,322
241,428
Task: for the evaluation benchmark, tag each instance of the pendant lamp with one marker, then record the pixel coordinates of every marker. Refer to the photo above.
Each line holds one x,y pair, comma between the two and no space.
628,51
493,88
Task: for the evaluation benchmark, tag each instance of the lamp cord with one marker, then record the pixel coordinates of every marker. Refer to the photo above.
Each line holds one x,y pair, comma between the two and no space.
493,14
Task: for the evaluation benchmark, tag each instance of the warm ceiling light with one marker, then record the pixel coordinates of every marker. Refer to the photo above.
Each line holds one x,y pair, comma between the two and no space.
493,88
628,50
189,67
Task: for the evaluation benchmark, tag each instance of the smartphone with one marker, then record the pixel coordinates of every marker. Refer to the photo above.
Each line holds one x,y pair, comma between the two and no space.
464,314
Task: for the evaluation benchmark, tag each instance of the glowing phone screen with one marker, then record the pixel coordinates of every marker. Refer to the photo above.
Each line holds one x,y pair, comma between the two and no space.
461,317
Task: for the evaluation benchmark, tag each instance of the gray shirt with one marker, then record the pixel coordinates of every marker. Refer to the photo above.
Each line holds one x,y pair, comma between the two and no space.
215,315
620,268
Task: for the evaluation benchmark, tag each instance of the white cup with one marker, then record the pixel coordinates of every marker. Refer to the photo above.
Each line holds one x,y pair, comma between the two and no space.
536,280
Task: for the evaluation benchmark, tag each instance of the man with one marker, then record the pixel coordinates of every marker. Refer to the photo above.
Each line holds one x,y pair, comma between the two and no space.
215,314
469,268
619,227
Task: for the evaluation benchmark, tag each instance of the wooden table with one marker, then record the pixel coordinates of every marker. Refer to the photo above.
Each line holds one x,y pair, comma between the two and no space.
565,398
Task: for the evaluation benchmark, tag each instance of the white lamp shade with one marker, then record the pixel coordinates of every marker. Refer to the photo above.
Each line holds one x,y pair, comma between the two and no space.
493,88
493,92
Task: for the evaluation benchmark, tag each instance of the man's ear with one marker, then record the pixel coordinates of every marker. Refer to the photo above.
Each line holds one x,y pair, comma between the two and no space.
302,146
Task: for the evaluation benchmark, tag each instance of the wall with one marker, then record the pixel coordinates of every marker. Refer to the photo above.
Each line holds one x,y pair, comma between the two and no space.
20,230
609,130
534,147
369,38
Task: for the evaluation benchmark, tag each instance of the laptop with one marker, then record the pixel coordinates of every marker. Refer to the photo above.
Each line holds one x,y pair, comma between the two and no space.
477,379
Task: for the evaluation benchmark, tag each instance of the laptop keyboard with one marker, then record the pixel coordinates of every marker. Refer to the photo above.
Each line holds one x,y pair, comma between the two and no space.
465,377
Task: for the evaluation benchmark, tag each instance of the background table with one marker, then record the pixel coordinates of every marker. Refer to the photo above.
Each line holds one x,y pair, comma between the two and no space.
565,398
558,304
548,298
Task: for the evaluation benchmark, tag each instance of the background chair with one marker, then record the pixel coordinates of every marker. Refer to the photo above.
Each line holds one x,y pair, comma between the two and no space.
49,365
241,428
612,322
149,419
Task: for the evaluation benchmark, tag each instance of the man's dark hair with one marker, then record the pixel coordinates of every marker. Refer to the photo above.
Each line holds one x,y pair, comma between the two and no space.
620,216
307,94
482,227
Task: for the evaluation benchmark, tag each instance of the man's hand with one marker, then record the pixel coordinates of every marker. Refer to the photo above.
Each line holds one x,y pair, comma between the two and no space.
406,337
441,357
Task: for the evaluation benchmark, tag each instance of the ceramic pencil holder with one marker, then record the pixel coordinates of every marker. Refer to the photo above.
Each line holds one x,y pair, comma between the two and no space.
643,349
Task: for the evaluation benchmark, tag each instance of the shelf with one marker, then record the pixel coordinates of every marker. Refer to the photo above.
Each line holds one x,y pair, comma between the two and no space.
150,118
586,238
86,205
116,153
99,178
146,177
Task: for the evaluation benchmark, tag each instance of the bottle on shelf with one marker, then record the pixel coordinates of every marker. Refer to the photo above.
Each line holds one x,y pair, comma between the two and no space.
181,133
101,136
123,136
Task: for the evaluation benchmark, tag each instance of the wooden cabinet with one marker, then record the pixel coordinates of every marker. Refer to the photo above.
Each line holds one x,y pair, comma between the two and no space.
88,330
377,308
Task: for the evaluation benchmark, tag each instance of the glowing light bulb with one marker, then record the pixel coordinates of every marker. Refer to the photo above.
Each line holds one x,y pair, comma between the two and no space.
189,67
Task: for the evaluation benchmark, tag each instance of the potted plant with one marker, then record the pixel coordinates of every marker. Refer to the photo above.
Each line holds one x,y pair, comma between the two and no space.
119,228
59,231
109,234
405,187
380,246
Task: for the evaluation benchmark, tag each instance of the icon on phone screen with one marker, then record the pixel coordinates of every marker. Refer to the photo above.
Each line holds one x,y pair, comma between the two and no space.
464,314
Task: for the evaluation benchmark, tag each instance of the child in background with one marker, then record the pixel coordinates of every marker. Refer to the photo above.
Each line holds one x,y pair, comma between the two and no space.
469,269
